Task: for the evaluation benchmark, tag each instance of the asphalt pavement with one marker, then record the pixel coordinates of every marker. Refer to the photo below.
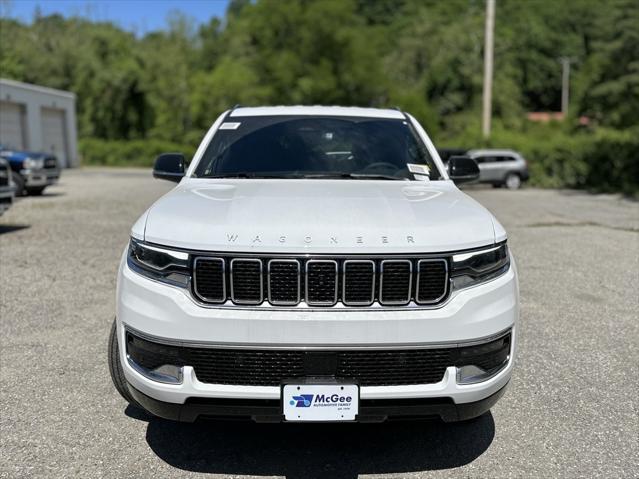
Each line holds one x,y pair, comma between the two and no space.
571,409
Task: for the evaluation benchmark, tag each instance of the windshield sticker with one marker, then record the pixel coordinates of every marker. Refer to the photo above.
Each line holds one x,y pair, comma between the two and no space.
420,172
229,126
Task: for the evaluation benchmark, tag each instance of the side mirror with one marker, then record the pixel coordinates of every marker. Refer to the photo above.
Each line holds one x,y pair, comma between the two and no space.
169,166
462,169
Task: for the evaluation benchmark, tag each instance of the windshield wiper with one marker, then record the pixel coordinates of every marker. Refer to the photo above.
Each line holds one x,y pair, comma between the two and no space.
354,176
249,175
337,175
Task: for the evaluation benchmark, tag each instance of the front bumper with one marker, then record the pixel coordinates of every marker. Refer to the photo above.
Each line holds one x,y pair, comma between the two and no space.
42,177
163,311
264,410
6,198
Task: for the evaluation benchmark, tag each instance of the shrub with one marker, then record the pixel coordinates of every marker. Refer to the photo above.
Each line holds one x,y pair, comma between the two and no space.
95,151
602,160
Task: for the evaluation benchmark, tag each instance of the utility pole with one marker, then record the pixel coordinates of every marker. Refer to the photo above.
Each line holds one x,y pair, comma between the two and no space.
565,83
488,67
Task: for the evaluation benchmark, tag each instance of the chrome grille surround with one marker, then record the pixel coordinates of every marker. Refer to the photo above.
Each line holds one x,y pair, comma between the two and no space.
409,290
345,281
308,291
236,275
321,280
420,277
269,281
197,272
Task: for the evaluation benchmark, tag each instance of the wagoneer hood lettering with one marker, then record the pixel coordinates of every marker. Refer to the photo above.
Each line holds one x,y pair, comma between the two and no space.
318,216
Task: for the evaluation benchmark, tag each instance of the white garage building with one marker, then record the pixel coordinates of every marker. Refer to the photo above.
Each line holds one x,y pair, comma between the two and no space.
37,118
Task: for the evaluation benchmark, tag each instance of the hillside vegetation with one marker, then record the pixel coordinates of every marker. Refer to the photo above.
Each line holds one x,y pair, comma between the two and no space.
139,95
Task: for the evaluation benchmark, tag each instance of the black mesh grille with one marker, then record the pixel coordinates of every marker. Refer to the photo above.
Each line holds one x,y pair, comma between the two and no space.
386,368
321,282
50,162
359,282
284,281
396,284
251,367
209,279
246,281
431,280
232,366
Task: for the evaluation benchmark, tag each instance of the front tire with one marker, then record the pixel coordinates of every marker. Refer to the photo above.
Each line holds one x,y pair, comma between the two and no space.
513,181
36,191
115,368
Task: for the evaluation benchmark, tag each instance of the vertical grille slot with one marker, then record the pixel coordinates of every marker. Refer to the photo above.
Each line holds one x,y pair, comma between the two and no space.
246,281
358,282
284,281
321,282
432,280
209,281
395,282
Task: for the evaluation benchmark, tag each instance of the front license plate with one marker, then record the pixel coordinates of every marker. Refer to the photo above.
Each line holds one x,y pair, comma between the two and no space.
325,402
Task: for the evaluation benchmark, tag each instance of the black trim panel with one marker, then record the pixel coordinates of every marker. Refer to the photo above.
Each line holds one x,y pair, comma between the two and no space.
270,410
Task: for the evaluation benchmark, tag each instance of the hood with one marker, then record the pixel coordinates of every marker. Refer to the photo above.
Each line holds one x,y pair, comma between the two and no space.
318,216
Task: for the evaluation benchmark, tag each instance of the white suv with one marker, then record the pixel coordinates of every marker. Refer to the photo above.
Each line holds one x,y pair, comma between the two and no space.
315,264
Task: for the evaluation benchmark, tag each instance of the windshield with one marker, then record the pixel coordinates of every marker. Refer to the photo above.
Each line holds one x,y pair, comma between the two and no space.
316,147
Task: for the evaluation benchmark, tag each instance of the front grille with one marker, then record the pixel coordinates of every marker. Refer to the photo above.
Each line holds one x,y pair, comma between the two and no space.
432,280
246,281
210,281
263,367
5,174
50,162
320,282
396,282
358,282
284,281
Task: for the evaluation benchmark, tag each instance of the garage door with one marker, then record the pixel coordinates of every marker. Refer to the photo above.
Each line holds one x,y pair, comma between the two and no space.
54,134
12,125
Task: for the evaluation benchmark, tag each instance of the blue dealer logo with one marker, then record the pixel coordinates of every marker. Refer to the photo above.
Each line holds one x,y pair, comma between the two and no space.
303,400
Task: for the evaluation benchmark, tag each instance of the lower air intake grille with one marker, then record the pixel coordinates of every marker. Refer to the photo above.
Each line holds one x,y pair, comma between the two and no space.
263,367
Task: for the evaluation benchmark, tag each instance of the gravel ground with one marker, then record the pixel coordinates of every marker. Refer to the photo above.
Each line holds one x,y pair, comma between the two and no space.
570,411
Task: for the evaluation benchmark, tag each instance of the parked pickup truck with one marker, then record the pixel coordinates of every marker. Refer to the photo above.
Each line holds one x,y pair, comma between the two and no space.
315,264
6,186
32,172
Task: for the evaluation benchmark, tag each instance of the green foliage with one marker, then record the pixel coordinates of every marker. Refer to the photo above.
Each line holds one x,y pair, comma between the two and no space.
98,152
604,160
426,56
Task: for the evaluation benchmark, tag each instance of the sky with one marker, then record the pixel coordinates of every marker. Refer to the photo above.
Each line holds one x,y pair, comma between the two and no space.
139,16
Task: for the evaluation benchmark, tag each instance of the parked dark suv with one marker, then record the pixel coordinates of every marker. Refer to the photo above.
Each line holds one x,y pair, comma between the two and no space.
31,171
6,187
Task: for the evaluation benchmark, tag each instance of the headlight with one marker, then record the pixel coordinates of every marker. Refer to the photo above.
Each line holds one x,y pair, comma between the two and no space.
33,163
166,265
474,267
